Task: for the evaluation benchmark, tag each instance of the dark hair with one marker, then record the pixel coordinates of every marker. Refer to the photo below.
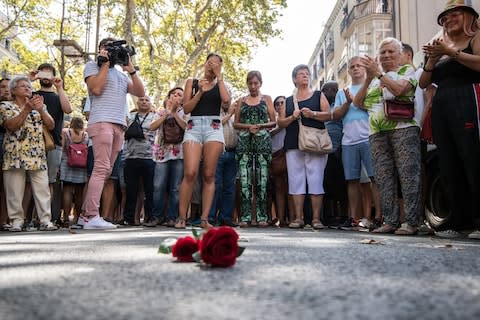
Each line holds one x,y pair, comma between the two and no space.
276,99
47,66
214,55
407,48
104,41
76,124
173,90
254,74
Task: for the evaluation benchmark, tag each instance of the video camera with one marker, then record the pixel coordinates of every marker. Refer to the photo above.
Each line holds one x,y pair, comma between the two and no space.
118,53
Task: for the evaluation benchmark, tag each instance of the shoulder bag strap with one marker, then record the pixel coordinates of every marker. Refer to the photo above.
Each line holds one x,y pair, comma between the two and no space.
295,104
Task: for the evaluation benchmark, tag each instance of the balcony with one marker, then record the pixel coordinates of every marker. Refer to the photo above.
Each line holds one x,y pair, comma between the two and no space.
364,9
330,48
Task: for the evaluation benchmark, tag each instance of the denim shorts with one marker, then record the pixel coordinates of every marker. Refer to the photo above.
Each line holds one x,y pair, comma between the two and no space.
203,129
353,156
54,158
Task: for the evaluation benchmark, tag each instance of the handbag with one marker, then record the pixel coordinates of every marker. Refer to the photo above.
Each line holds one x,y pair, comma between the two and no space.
172,132
77,153
135,130
312,139
399,110
48,139
229,133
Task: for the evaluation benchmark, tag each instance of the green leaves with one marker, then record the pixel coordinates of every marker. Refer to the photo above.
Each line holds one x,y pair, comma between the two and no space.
166,246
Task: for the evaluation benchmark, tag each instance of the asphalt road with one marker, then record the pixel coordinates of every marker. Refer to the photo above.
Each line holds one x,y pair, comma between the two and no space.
283,274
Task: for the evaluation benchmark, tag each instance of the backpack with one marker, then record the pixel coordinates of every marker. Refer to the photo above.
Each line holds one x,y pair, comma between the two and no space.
77,153
135,129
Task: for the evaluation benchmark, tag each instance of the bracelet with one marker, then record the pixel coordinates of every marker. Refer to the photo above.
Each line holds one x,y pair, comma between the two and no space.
134,72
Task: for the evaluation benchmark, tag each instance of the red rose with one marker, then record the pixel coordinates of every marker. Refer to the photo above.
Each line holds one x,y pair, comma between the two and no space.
184,248
219,247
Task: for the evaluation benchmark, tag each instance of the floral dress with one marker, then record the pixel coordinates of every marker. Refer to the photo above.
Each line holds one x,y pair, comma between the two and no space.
254,153
24,148
161,151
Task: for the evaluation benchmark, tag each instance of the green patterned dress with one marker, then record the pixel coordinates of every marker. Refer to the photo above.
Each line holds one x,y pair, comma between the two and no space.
254,153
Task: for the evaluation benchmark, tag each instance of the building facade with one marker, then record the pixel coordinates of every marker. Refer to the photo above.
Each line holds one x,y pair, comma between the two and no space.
6,49
356,27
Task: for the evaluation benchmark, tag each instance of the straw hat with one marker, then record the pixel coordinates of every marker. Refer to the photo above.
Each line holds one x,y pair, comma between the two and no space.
457,4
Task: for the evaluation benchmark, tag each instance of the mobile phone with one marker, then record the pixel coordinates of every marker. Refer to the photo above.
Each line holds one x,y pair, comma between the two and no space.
44,75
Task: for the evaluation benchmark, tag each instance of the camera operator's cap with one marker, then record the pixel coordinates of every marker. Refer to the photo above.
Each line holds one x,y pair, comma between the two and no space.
457,4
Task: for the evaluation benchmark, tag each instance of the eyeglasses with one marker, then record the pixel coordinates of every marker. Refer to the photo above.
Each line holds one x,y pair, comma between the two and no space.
24,86
451,14
279,103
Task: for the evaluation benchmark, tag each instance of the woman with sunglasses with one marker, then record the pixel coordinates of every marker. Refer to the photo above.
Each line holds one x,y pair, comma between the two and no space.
23,119
454,66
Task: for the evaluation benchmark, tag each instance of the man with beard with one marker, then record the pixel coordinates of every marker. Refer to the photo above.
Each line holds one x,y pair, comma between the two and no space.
4,96
57,105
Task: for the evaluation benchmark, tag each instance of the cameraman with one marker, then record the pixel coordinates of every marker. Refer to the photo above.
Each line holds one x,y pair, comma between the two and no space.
108,88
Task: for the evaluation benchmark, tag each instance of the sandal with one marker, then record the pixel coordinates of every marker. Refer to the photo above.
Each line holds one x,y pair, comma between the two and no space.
386,228
205,224
317,225
296,224
244,224
180,224
406,230
263,224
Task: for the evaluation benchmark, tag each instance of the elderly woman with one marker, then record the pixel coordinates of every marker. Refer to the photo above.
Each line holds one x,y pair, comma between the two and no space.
395,144
304,168
23,118
454,65
254,116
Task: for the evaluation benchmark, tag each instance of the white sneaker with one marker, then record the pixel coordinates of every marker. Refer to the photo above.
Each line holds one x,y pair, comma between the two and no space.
449,234
81,220
365,223
48,226
474,235
96,222
16,227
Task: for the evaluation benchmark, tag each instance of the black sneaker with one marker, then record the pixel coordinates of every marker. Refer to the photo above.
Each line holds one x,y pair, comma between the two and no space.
349,225
376,223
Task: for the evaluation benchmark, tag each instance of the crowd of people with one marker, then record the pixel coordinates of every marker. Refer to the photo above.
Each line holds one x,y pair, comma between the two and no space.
205,159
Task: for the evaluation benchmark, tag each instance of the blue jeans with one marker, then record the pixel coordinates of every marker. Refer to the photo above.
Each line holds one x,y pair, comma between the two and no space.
224,199
169,174
134,169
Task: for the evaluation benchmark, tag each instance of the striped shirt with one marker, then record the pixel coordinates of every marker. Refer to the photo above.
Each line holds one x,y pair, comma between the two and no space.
110,105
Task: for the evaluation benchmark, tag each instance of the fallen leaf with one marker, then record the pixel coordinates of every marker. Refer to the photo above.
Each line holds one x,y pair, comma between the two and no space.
370,241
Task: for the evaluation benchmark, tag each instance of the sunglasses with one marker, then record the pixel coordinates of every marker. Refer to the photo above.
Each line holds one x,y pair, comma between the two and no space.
451,14
278,103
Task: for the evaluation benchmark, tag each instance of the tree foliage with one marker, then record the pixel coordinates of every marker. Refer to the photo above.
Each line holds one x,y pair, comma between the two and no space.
172,37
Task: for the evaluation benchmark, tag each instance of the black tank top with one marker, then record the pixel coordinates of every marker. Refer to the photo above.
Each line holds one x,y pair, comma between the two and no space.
451,73
209,104
291,136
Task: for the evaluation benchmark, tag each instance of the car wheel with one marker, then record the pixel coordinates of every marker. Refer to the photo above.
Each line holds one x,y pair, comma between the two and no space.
436,204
